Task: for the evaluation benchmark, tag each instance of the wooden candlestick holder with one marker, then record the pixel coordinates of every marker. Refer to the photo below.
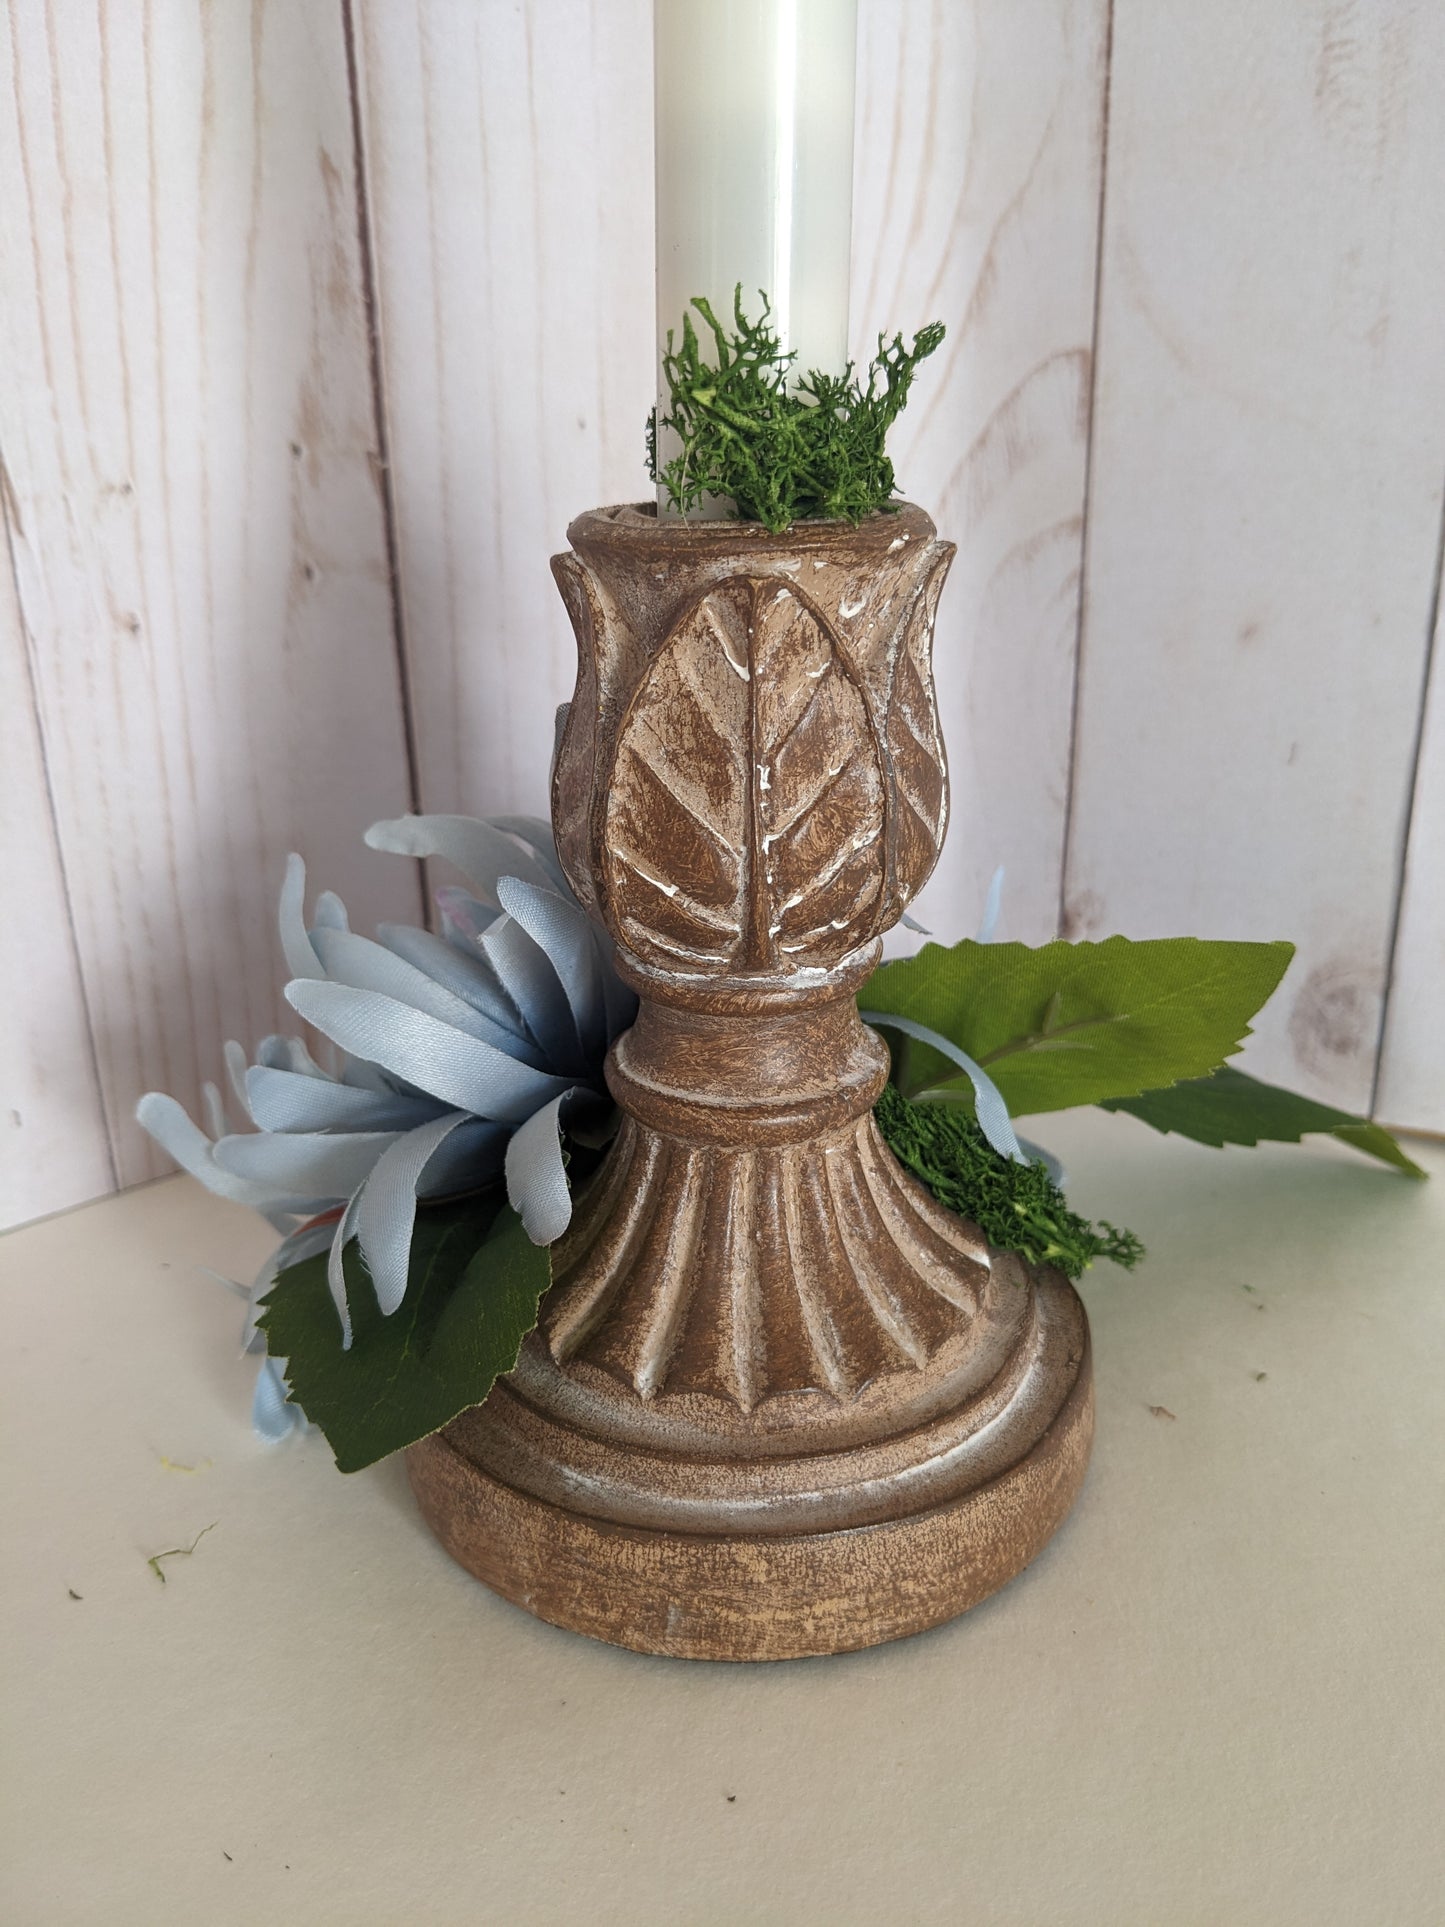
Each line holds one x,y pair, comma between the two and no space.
779,1401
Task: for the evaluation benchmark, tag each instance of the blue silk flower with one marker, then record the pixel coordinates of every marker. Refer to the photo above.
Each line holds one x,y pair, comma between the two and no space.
454,1058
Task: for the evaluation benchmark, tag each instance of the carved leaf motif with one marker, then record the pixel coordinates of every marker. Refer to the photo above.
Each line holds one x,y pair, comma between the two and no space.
915,747
745,814
819,788
678,810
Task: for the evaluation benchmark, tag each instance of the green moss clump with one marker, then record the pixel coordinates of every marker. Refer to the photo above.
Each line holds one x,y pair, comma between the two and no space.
780,454
1018,1207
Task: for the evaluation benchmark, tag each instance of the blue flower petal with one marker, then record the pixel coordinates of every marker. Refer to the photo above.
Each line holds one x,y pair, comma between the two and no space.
387,1211
286,1101
314,1164
335,1270
461,968
535,833
329,914
471,1157
465,921
530,979
272,1418
301,959
561,929
365,965
464,1072
481,852
992,905
169,1125
537,1188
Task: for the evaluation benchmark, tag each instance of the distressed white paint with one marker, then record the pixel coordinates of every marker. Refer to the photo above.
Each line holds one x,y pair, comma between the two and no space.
976,188
1265,507
53,1146
206,670
1412,1064
186,418
509,155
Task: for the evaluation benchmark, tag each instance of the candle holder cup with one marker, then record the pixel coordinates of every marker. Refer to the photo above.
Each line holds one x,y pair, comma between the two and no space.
779,1401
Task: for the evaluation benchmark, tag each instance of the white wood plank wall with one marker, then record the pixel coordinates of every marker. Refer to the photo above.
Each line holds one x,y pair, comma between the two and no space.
1265,509
291,422
980,142
188,428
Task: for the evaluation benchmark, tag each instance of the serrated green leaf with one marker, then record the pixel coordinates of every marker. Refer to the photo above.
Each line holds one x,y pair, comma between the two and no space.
1232,1108
472,1295
1075,1023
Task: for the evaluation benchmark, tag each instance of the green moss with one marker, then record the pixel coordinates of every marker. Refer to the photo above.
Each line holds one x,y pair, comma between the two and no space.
1017,1206
780,454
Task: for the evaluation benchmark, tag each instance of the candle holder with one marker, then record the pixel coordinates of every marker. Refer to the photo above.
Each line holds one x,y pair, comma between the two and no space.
779,1401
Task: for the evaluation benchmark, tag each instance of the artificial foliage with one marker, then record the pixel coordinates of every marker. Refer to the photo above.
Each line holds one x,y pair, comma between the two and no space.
1016,1205
420,1173
1075,1023
780,451
455,1059
475,1279
1230,1107
419,1166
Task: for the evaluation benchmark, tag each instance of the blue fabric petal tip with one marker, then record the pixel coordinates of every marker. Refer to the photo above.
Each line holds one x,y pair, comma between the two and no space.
989,1107
272,1417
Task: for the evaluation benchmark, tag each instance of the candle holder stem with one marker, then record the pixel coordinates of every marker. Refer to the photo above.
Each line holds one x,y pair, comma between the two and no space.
779,1402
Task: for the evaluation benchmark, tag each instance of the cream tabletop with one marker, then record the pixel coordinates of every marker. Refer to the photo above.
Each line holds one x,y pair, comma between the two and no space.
1218,1697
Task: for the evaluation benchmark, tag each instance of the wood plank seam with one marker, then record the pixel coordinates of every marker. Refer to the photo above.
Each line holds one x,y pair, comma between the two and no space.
1071,768
10,515
200,535
1263,516
1429,670
385,480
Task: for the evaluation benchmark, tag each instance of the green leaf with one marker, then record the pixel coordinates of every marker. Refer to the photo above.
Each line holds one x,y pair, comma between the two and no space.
472,1294
1231,1108
1075,1023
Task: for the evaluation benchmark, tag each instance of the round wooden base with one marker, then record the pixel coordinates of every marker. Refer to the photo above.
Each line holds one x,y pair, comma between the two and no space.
778,1594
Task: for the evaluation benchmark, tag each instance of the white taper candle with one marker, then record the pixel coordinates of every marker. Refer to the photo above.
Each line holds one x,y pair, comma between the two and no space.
755,165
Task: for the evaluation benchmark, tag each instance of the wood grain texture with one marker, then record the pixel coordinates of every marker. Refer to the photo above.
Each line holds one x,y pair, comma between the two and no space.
1266,499
54,1151
509,157
739,1596
188,425
778,1401
975,199
1411,1088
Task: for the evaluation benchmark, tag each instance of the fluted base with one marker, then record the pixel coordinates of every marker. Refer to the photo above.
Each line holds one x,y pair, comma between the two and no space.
780,1403
750,1596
